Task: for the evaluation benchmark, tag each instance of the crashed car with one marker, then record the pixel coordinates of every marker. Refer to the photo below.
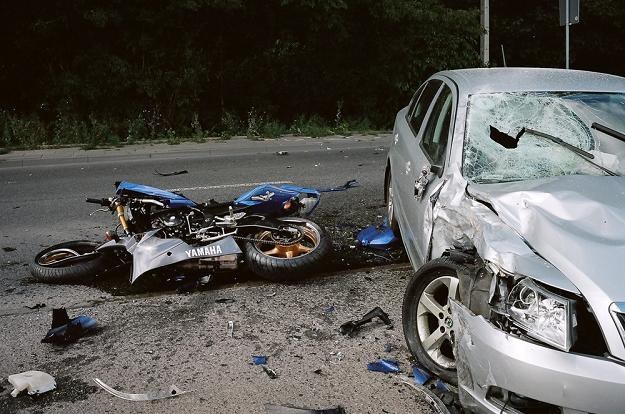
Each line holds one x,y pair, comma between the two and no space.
506,188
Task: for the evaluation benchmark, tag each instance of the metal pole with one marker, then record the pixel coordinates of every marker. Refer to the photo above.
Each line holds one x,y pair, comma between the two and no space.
566,31
485,38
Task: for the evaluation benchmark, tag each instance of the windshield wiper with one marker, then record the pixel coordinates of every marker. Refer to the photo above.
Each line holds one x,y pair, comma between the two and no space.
585,155
608,131
511,142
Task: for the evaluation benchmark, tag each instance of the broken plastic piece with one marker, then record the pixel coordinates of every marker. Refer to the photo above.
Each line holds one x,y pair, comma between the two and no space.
270,372
65,330
430,397
349,184
282,153
285,409
259,359
377,237
224,300
230,329
351,327
36,382
167,174
421,375
384,365
37,306
149,396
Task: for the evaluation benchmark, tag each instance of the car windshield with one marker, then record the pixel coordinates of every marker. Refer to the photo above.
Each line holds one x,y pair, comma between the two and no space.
575,118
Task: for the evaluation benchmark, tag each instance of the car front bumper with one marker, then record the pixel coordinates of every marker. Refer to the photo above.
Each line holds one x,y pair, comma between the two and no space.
488,358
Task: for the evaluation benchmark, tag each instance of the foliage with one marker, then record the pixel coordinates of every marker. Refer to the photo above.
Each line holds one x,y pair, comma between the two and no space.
226,66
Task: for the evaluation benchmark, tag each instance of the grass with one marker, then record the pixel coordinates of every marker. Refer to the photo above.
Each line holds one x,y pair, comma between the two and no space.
30,132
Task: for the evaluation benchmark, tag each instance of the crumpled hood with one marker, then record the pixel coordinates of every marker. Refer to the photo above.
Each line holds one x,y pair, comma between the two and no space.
577,223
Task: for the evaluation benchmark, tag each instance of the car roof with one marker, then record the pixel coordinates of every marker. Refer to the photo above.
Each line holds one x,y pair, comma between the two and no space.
484,80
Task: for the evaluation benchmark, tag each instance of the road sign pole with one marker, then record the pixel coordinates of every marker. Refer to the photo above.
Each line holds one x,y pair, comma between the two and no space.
566,31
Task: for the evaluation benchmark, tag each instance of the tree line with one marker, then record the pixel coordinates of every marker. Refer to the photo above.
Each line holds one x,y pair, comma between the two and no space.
90,72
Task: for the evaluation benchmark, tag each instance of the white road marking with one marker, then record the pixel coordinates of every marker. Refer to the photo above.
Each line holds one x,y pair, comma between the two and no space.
210,187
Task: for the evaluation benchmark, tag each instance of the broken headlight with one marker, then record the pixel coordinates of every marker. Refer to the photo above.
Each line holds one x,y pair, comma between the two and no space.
544,315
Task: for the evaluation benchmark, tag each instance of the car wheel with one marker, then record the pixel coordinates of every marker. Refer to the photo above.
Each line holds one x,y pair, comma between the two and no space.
390,205
426,316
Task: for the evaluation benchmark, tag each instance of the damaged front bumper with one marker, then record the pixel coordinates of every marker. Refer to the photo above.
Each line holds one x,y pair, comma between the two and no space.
492,364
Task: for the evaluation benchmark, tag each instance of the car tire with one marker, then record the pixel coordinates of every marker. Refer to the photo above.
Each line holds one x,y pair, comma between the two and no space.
426,317
390,205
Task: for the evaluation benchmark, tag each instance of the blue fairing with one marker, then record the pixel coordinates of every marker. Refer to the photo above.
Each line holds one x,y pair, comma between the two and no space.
377,237
268,198
172,200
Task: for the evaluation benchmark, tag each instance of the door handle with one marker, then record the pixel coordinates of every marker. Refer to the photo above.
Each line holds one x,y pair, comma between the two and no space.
422,182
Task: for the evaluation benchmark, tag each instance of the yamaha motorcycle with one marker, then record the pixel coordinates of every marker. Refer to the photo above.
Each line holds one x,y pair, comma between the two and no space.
164,234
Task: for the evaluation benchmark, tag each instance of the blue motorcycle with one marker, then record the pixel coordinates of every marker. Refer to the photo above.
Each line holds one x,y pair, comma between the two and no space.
164,234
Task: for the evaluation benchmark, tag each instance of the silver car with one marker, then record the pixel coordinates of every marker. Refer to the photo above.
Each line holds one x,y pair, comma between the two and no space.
506,187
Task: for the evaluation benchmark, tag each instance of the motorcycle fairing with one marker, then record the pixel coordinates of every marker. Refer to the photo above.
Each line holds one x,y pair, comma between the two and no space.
172,200
152,252
270,199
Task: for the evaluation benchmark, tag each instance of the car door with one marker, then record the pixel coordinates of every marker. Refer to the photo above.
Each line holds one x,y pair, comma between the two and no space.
406,143
427,160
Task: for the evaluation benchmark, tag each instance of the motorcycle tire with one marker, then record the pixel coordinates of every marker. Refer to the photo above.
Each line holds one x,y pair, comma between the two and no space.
71,262
288,263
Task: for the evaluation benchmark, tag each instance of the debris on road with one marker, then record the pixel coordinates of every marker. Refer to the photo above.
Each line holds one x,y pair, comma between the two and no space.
270,372
379,237
282,153
36,306
336,357
384,365
231,329
350,328
285,409
9,249
167,174
225,300
430,397
65,330
329,309
259,359
35,382
173,391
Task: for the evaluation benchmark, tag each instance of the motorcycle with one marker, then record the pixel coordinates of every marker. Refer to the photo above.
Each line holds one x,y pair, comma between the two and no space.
167,235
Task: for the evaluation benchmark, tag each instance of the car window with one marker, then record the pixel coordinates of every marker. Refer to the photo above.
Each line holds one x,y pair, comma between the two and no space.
572,117
436,132
422,103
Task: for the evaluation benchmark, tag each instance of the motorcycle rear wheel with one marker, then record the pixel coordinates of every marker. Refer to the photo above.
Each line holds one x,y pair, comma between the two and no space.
70,262
282,262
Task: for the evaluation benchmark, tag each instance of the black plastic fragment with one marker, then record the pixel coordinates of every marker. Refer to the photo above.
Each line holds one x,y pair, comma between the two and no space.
285,409
65,330
37,306
167,174
351,327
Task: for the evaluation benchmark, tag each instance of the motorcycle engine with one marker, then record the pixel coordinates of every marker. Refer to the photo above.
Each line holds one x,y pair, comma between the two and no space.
176,223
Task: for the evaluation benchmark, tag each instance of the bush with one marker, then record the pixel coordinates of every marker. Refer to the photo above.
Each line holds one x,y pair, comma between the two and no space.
273,129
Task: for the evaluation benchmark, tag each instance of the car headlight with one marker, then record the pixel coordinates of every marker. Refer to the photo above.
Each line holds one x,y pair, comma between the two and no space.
544,315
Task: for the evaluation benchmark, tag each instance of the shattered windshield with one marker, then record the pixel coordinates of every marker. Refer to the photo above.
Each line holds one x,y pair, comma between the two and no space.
567,116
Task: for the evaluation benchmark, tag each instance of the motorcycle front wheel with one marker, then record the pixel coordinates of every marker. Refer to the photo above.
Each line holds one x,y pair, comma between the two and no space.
276,258
70,262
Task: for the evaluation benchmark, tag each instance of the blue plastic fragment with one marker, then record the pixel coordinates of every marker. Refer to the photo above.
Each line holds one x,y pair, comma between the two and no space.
259,359
65,330
384,365
329,309
377,237
441,385
421,375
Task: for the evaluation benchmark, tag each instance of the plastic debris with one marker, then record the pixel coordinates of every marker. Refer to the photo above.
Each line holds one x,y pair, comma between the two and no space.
430,397
259,359
329,309
37,306
350,328
167,174
377,237
35,382
65,330
224,300
172,391
9,249
230,329
282,153
384,365
421,375
270,372
285,409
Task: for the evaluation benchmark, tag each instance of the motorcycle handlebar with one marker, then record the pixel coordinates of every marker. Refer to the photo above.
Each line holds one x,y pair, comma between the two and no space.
104,202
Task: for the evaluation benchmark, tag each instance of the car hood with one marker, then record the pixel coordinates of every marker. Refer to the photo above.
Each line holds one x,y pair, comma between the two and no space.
577,223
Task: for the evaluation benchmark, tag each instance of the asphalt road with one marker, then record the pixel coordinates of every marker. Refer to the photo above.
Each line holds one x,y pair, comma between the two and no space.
149,341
